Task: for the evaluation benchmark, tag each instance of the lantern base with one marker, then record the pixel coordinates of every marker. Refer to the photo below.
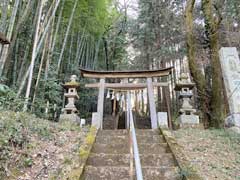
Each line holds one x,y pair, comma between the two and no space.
188,119
70,117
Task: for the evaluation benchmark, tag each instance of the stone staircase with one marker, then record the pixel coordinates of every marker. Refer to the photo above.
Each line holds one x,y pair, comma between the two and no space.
110,158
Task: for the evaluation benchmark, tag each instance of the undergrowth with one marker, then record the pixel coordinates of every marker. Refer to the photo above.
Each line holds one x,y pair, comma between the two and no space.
16,131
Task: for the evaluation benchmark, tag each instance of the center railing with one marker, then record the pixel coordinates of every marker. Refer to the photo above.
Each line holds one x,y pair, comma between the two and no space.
133,140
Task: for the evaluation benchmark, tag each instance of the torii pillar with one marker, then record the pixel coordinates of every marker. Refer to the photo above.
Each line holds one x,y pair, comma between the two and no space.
100,105
152,104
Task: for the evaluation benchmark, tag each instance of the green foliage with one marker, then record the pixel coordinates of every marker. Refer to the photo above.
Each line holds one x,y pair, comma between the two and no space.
28,162
92,16
158,33
88,101
16,130
95,16
9,100
53,89
67,161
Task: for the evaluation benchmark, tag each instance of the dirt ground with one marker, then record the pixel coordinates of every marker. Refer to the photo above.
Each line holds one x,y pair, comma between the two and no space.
37,149
215,153
50,157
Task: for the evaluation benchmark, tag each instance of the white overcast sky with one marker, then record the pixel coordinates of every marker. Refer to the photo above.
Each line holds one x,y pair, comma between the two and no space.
132,7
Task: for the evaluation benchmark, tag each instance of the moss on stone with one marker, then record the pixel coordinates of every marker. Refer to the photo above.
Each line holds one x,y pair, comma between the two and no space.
84,152
72,83
90,139
74,174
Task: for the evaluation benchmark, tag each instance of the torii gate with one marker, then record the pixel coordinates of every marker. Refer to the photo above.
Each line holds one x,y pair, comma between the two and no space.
149,75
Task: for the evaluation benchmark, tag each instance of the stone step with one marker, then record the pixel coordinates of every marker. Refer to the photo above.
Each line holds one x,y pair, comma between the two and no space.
105,173
126,132
109,139
113,132
144,148
110,148
161,173
150,138
125,139
155,148
158,160
109,160
154,160
108,122
123,173
147,132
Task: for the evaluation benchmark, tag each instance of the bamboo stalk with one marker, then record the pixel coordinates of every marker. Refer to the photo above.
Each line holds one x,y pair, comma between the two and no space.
33,57
66,36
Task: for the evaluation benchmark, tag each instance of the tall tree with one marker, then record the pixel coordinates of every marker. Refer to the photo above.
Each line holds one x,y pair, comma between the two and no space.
212,23
196,73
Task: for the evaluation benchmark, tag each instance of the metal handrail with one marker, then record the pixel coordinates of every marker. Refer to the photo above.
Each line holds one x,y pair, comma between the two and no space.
138,166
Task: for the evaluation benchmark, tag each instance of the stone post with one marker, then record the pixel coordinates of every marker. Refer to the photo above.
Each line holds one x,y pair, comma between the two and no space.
230,64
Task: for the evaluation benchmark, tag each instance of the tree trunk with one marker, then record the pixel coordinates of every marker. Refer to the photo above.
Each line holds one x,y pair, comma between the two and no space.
48,61
57,29
69,65
4,11
80,48
24,79
3,21
33,57
66,36
82,53
79,40
196,73
39,45
14,73
39,73
23,18
96,52
106,52
9,36
212,23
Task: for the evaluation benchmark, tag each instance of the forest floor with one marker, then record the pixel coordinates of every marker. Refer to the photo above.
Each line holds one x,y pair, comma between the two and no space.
215,153
32,148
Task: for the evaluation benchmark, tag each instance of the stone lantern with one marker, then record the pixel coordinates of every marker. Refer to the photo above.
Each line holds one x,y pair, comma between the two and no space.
70,111
187,114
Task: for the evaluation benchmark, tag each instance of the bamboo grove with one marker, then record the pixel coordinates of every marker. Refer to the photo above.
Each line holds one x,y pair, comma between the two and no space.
50,40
